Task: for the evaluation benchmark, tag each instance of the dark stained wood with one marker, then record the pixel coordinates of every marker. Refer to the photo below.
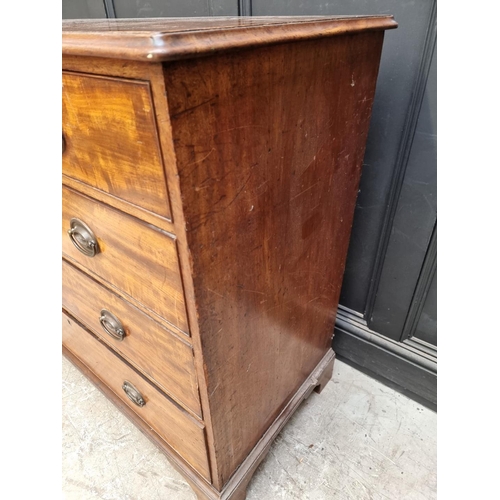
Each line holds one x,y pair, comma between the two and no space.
213,24
167,420
165,133
135,258
106,66
138,212
169,39
110,135
161,356
262,149
325,376
235,489
269,147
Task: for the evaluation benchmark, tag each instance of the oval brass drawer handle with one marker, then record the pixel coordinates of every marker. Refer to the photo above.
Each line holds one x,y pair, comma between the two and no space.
112,325
133,394
83,238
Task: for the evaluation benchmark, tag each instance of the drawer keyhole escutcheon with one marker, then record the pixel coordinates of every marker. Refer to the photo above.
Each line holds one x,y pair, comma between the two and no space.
83,238
133,394
112,325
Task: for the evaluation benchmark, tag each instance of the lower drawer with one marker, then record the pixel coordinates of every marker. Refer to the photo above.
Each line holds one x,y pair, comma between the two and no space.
181,431
162,357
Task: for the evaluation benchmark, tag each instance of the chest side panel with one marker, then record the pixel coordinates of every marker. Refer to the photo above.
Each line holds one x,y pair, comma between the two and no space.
269,145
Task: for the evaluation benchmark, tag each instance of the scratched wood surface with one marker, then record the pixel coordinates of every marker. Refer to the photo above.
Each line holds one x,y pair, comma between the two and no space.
135,258
262,141
168,420
110,135
173,38
269,147
163,357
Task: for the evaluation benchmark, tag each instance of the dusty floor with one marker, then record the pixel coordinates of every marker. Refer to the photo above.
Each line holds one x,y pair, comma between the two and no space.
357,440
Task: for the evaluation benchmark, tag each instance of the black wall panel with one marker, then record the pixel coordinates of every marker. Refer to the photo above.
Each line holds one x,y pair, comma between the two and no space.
184,8
413,223
83,9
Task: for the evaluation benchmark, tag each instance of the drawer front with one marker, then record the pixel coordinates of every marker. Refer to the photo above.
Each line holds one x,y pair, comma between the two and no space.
110,139
134,257
154,351
177,428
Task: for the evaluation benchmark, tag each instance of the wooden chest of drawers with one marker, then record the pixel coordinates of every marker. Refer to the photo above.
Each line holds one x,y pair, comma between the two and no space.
210,173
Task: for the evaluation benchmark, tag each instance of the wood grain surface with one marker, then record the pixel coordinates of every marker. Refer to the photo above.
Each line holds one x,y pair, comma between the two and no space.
269,146
111,144
136,258
153,350
182,432
259,125
168,39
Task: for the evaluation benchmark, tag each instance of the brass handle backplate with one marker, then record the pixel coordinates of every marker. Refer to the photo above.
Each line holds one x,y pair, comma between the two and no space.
112,325
83,238
133,394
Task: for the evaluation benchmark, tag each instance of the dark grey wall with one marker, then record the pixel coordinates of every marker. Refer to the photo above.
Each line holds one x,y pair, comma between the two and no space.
184,8
83,9
387,319
413,223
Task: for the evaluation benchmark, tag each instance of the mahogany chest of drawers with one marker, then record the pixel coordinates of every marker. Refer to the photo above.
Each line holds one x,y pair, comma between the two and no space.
210,173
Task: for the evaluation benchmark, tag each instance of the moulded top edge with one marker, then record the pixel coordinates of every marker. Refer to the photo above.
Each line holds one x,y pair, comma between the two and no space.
164,39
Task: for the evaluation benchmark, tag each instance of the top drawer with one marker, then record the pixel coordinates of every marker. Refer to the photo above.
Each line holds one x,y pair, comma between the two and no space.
110,139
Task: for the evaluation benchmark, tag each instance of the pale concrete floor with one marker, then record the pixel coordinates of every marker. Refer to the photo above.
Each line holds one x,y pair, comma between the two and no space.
357,440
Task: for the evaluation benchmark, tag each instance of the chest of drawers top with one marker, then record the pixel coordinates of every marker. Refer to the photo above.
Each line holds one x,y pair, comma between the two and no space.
210,172
171,39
